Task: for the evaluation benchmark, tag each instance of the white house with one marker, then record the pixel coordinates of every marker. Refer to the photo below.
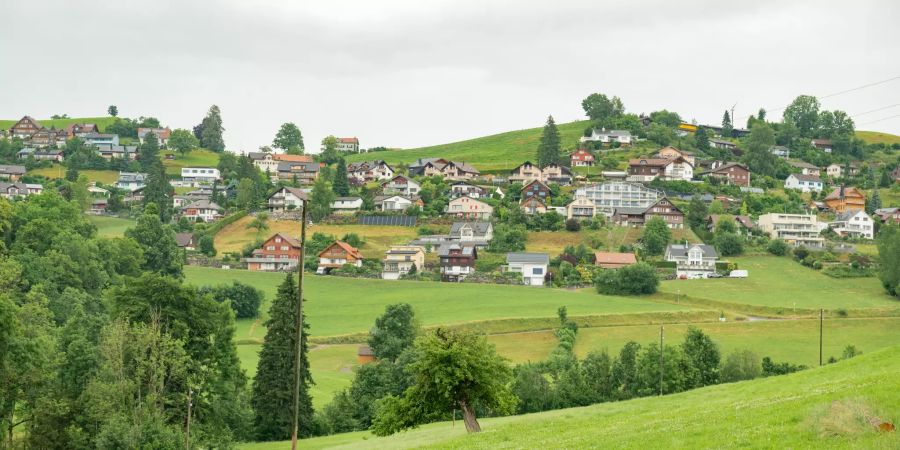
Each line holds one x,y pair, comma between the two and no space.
795,229
346,205
370,170
204,210
469,208
532,266
200,174
804,183
393,203
692,260
162,134
286,199
854,223
581,208
462,188
101,139
401,185
131,180
621,136
780,151
478,233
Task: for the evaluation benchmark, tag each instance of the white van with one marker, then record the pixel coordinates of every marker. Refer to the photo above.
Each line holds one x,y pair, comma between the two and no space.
738,274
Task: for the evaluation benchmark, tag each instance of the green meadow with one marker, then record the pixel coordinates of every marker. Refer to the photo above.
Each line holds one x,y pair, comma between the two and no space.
110,227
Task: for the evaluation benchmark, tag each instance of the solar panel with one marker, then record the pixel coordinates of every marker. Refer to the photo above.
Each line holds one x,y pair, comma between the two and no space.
400,221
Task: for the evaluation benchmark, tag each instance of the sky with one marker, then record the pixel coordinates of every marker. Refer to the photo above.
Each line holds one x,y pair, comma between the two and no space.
414,73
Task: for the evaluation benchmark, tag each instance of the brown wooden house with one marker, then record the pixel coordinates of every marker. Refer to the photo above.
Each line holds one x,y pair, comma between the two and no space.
24,128
337,255
843,199
637,217
732,173
279,252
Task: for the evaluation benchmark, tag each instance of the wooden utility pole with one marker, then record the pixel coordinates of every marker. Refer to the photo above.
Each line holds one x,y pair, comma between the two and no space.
187,431
299,324
821,329
660,360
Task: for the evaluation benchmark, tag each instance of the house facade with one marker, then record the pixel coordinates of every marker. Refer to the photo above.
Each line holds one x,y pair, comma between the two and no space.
202,210
795,229
623,137
98,139
805,168
366,171
337,255
532,267
581,208
399,260
207,175
648,169
54,155
614,260
286,199
692,260
536,189
534,205
803,183
131,180
780,151
581,158
457,261
822,144
843,199
553,173
670,152
24,128
346,205
302,172
475,233
349,145
637,217
278,253
733,173
462,188
615,194
162,134
401,185
853,223
469,208
395,203
451,170
268,162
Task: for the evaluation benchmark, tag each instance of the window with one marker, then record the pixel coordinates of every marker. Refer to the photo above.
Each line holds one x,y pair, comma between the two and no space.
537,271
270,248
285,248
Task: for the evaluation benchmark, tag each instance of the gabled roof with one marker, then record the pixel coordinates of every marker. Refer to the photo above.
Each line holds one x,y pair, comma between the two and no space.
467,249
843,192
533,182
478,228
351,250
534,199
654,162
350,140
295,191
291,241
849,214
12,169
183,239
802,165
614,258
728,166
801,177
527,258
203,204
681,251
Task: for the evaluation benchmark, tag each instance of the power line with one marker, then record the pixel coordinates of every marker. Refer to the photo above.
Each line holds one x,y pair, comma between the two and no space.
879,120
875,110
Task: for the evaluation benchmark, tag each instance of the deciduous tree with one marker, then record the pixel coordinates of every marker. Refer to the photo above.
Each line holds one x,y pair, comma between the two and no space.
289,139
183,141
656,236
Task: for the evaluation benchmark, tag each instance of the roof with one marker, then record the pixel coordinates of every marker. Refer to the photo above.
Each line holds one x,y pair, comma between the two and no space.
351,250
131,176
183,239
825,142
679,250
365,165
801,177
528,258
12,169
299,193
629,210
779,148
612,132
365,350
203,204
467,249
293,242
728,166
351,140
614,258
743,221
287,166
478,228
722,142
843,192
649,162
162,133
847,215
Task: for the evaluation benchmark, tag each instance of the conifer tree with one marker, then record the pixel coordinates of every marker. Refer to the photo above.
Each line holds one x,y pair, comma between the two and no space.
273,387
149,153
341,185
548,149
211,130
727,126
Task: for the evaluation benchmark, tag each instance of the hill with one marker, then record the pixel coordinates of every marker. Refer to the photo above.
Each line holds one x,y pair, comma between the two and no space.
494,152
877,137
828,407
101,122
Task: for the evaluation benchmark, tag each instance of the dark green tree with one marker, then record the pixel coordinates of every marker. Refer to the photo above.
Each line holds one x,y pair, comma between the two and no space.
697,212
803,114
393,332
702,138
157,189
548,148
244,299
289,139
149,154
161,252
601,108
341,185
873,203
727,126
329,154
211,130
889,255
703,356
183,141
758,156
656,236
206,245
113,110
321,199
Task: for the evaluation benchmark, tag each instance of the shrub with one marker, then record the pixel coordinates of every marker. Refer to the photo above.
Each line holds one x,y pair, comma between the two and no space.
573,225
637,279
800,253
777,247
353,239
729,244
244,299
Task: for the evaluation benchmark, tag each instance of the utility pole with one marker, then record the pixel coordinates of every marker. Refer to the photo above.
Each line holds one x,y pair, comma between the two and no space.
299,324
661,360
187,431
821,327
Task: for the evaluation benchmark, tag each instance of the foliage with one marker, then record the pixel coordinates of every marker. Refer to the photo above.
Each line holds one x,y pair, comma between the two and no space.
803,114
777,247
341,185
636,279
289,139
758,157
656,236
770,368
183,141
161,253
508,238
702,354
113,110
739,366
729,244
206,245
329,154
244,299
573,225
889,254
394,332
321,198
601,108
727,125
548,150
697,212
211,130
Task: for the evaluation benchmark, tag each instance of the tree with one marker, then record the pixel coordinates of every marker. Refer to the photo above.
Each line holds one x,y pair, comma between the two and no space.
697,212
113,110
341,186
777,247
873,203
161,253
260,223
803,113
889,255
702,138
206,244
329,153
211,130
79,193
656,236
636,279
452,370
670,119
72,171
156,191
246,192
508,238
660,134
149,154
394,332
703,356
273,387
289,139
548,148
727,126
183,141
759,158
601,108
243,298
740,365
321,199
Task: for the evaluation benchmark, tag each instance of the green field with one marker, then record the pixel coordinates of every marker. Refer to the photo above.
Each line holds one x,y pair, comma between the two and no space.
828,407
59,171
101,122
195,158
494,152
110,227
876,137
553,242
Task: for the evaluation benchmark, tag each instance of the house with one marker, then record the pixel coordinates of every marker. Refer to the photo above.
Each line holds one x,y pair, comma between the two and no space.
475,233
581,158
450,170
207,175
888,215
795,229
744,224
268,162
48,138
613,194
805,168
581,208
843,199
614,260
41,155
534,205
780,151
24,128
670,152
722,144
526,173
536,189
11,172
822,144
462,188
733,173
80,129
13,190
692,260
622,137
637,217
187,241
162,134
402,185
469,208
99,206
399,260
97,191
388,203
338,254
649,169
854,223
202,211
804,183
109,151
366,171
365,355
136,195
99,139
131,180
279,252
555,173
286,199
350,145
302,172
457,260
532,266
835,170
346,205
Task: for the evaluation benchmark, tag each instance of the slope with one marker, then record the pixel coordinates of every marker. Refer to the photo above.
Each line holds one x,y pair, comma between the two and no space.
829,407
101,122
877,137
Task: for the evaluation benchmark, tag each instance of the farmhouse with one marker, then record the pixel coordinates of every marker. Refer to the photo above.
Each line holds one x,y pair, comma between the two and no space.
16,190
24,128
286,199
532,266
614,260
732,173
80,129
853,223
462,188
131,180
346,205
202,210
888,215
536,189
581,208
366,171
337,255
11,173
162,134
534,205
469,208
803,183
822,144
623,137
692,260
395,203
279,252
614,194
48,138
581,158
805,168
843,199
795,229
637,217
457,261
187,241
401,185
401,259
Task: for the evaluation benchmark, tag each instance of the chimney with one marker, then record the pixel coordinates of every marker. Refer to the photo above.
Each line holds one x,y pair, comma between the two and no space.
842,191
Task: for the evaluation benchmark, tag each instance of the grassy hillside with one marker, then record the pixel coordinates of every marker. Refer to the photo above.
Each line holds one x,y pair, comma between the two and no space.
877,137
196,158
494,152
111,227
829,407
101,122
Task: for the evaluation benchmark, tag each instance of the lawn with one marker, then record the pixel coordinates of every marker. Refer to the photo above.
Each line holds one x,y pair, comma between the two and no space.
877,137
101,122
59,171
781,282
494,152
827,407
609,239
235,236
110,227
195,158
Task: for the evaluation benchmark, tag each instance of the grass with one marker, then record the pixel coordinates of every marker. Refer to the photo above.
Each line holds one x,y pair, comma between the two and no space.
609,238
59,171
781,282
494,152
826,407
876,137
101,122
196,158
110,227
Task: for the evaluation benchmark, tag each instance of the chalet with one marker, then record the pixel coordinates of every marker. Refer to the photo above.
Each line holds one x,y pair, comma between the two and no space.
48,138
202,211
649,169
401,185
134,196
637,217
822,144
732,173
614,260
396,203
837,171
475,233
337,255
11,172
13,190
804,183
888,215
99,206
24,128
805,168
536,189
457,261
555,173
462,188
722,144
349,145
532,266
101,139
780,151
131,180
843,199
109,151
41,155
162,134
80,129
526,173
854,223
622,137
187,241
279,252
302,172
670,152
346,205
399,260
744,224
469,208
534,205
268,162
366,171
581,158
450,170
581,208
692,260
287,199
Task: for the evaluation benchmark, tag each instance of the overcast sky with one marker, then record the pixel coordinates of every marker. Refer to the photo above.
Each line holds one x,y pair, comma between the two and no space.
414,73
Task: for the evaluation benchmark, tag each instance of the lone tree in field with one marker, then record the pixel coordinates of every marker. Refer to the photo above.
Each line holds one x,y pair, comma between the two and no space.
273,387
548,149
183,141
113,110
452,370
394,332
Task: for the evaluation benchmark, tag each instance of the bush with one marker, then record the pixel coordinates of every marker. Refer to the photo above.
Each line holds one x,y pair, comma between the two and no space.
777,247
637,279
244,299
800,253
729,244
353,239
207,245
573,225
742,365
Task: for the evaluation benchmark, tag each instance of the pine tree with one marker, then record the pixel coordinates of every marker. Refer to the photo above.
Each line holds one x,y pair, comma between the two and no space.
149,154
341,185
273,387
548,149
157,190
702,139
873,203
727,126
211,130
